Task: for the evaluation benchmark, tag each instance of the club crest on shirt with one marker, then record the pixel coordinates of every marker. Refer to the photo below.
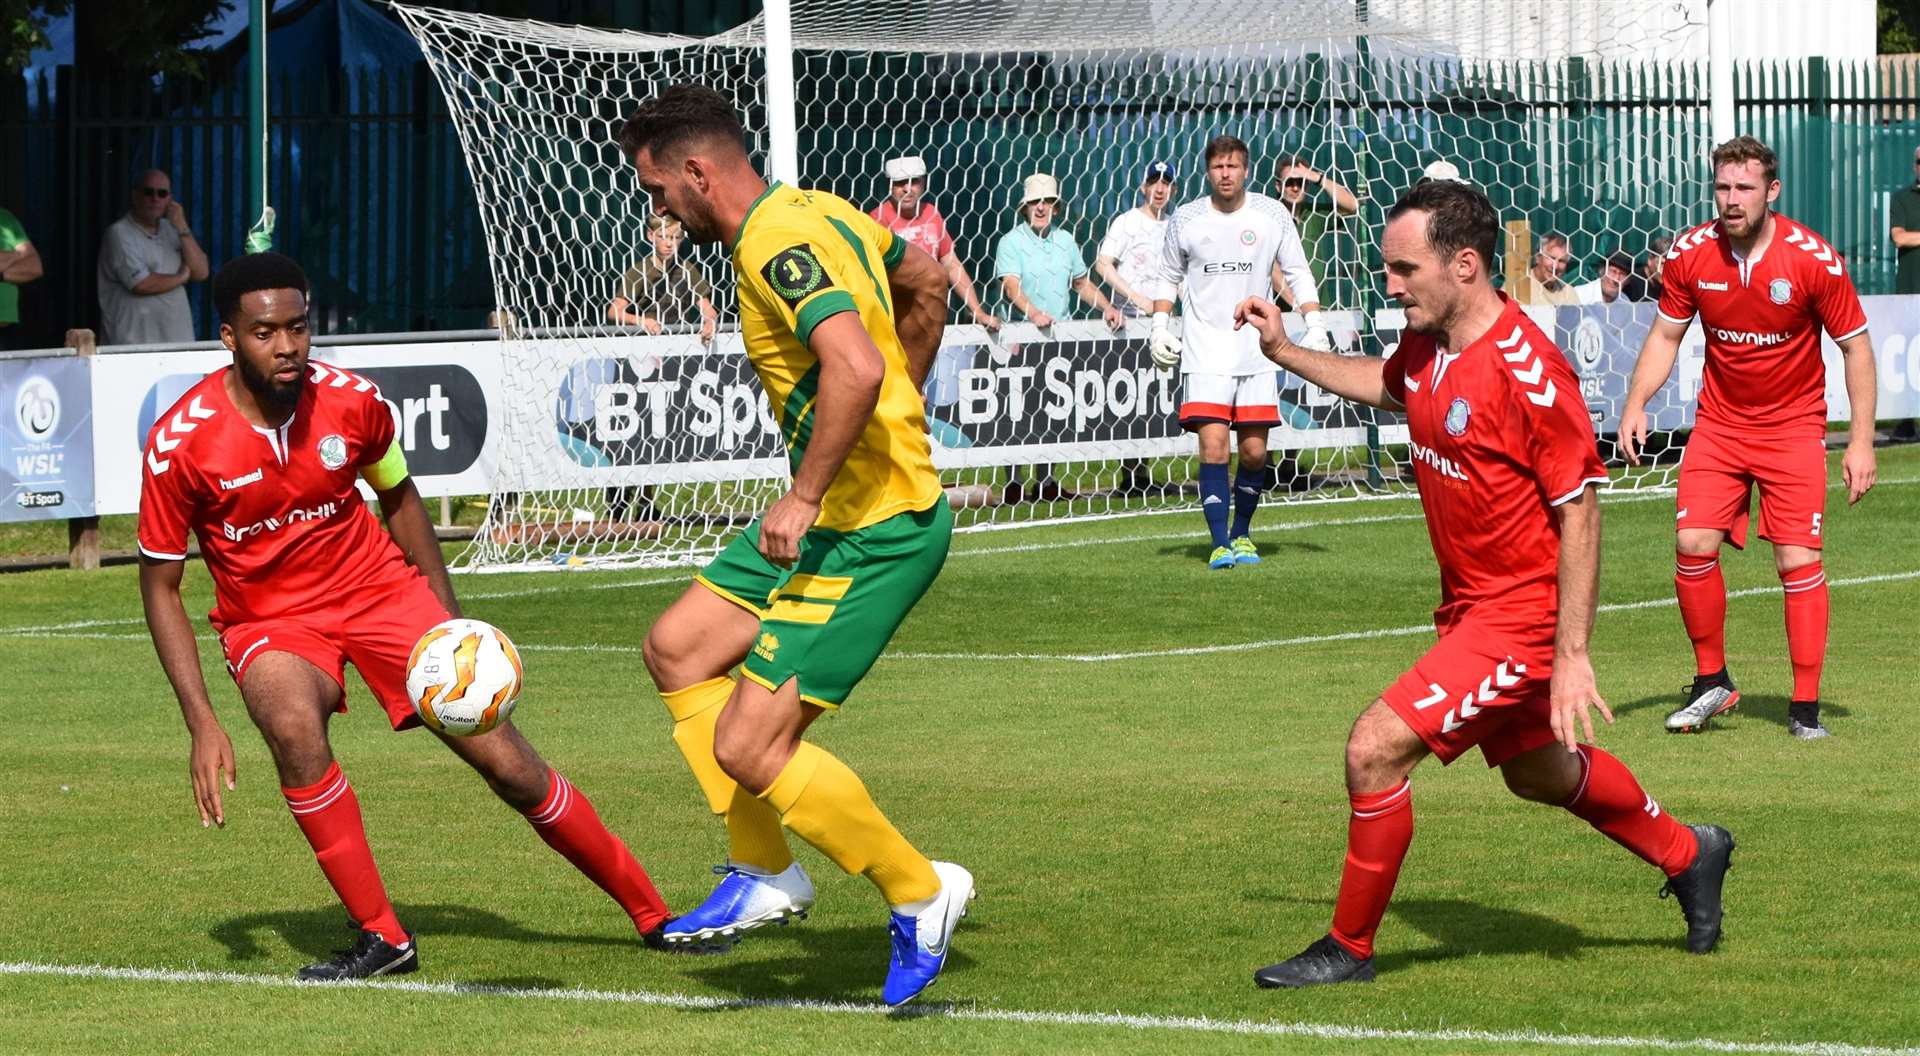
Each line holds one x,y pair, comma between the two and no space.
333,451
1246,236
1780,291
795,273
1457,415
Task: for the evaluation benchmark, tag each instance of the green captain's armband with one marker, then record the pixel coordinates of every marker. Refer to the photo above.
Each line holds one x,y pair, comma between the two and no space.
389,471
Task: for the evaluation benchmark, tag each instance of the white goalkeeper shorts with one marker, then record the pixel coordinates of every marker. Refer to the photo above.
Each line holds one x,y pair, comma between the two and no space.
1239,400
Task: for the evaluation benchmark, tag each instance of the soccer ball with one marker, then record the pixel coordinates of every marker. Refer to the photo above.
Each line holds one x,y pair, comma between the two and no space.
464,677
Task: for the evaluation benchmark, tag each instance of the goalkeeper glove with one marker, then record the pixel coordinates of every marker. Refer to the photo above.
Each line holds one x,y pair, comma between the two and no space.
1316,337
1166,347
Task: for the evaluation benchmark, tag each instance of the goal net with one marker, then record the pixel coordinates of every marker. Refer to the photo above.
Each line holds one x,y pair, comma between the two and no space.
630,436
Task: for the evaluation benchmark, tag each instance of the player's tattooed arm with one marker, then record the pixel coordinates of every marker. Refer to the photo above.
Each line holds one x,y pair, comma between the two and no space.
412,531
1574,690
1361,379
210,763
919,286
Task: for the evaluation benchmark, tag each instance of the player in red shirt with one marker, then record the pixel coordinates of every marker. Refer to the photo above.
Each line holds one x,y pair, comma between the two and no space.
259,461
1506,462
1764,287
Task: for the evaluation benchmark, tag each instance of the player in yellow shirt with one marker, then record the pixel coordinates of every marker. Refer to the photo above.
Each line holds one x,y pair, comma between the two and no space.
841,319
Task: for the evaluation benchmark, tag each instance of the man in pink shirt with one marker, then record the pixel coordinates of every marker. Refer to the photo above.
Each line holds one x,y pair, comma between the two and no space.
907,213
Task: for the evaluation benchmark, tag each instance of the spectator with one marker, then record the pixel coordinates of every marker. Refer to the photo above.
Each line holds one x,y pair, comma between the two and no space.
19,263
1646,286
662,290
907,212
1542,283
658,292
1906,241
1129,257
1129,260
1906,232
1040,263
1317,203
1616,272
1444,171
146,260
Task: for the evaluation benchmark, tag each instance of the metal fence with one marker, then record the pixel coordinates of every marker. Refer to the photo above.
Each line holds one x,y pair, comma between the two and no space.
374,197
366,175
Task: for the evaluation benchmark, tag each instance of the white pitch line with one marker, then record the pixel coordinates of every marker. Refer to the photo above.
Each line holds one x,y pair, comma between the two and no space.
1343,636
1186,1024
1107,658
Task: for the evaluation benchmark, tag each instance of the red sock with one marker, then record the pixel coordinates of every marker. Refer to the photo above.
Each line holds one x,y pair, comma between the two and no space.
1806,589
1703,608
329,815
1609,799
1378,836
569,824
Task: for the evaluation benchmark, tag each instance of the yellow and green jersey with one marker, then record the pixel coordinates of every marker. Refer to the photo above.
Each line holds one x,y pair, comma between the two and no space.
801,257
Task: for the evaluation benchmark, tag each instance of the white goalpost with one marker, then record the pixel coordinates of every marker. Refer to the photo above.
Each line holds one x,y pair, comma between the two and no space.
621,445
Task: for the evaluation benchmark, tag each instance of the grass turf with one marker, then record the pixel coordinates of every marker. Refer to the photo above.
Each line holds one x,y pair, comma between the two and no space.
1144,831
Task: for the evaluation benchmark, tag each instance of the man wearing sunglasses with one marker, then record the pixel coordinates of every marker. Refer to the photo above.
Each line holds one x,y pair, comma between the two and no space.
146,260
907,213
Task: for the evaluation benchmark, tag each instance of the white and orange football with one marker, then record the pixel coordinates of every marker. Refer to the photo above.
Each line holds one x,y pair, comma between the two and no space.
464,677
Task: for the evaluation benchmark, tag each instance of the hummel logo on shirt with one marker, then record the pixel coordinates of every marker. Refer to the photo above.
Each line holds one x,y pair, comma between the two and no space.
1705,285
241,481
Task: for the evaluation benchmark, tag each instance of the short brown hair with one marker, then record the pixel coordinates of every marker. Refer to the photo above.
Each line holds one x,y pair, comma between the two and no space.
1742,149
1225,144
1458,217
660,222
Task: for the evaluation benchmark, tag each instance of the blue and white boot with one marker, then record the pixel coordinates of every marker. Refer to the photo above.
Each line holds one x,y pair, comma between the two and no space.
920,941
742,901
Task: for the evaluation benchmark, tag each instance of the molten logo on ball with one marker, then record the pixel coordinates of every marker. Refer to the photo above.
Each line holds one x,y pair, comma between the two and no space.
464,677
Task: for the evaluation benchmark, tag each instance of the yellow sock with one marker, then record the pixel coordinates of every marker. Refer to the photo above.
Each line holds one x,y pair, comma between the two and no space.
695,709
825,803
754,836
753,828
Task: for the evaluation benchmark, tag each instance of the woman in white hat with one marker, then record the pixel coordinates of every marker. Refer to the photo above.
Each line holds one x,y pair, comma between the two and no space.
1039,262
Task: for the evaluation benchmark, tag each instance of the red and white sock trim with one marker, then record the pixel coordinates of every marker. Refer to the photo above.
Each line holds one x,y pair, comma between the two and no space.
1694,567
1802,579
1388,801
302,801
559,801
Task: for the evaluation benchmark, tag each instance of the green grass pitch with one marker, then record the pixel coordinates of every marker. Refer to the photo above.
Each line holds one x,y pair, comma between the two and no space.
1145,829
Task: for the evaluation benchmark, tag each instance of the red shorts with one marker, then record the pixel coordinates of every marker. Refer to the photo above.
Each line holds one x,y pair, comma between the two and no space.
376,630
1718,472
1478,687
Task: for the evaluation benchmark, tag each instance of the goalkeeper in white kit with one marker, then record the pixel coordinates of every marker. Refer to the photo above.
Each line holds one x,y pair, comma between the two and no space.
1221,250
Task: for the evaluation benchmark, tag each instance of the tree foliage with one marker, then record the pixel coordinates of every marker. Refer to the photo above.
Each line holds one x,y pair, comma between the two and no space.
23,29
1899,27
144,36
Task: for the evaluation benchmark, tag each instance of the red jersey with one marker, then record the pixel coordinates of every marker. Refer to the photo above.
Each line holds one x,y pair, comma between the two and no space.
1500,435
281,525
1763,318
927,229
